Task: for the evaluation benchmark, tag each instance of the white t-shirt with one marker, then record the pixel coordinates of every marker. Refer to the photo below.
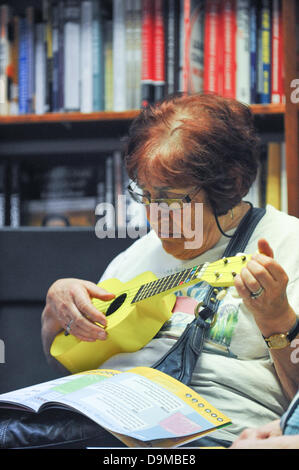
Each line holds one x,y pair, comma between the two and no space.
235,371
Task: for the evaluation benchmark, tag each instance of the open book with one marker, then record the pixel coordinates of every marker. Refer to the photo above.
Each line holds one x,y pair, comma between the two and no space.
142,407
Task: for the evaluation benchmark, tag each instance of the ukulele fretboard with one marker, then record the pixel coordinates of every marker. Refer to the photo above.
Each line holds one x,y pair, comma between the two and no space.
168,282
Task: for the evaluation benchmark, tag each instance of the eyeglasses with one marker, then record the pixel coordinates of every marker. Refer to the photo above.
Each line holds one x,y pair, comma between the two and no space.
138,195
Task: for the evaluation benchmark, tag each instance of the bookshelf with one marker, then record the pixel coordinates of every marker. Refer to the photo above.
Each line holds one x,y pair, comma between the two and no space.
58,134
257,109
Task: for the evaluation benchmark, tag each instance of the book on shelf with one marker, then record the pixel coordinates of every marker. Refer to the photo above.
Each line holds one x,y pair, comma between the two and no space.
40,69
72,55
119,56
277,66
14,196
58,195
243,51
211,46
142,407
273,181
98,64
172,15
193,68
4,58
131,53
253,50
147,47
86,56
229,42
3,194
108,65
264,53
159,51
270,185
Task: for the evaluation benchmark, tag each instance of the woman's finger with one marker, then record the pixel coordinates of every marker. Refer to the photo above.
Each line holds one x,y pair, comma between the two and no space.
86,307
271,265
255,275
265,248
95,291
81,326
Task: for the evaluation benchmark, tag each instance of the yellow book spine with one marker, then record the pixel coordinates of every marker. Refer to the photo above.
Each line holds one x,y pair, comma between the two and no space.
273,190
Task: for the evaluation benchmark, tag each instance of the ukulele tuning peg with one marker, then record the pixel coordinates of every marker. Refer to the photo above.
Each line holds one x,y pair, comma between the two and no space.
221,294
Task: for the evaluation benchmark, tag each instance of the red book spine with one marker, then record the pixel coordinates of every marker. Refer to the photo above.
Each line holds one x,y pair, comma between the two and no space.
187,37
147,64
229,29
159,51
211,39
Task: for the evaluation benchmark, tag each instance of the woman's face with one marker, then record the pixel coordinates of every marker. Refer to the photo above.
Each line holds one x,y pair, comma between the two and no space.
185,232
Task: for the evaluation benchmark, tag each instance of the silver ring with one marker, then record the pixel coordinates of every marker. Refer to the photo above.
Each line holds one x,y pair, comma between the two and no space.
68,328
255,295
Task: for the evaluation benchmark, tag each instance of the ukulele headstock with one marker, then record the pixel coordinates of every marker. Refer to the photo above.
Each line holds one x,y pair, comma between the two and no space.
221,273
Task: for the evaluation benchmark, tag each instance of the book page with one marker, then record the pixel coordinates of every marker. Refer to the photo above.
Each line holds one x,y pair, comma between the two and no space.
142,404
140,407
33,397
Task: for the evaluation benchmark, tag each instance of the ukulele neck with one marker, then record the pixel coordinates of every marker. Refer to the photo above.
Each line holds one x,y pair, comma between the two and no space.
170,283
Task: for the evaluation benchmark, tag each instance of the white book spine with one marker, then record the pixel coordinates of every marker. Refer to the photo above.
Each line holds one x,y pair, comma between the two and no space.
137,52
72,58
243,51
119,56
4,59
86,87
40,69
130,72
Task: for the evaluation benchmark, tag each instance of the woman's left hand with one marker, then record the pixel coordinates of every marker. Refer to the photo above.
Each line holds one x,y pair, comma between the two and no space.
271,309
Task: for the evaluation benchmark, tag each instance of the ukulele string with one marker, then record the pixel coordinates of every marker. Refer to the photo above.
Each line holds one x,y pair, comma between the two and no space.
133,291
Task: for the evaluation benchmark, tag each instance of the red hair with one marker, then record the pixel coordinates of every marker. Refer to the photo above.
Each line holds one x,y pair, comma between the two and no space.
202,140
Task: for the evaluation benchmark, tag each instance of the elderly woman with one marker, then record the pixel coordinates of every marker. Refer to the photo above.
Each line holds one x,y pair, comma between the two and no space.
203,149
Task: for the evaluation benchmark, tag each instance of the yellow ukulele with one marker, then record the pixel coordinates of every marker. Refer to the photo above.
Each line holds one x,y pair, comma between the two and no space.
138,311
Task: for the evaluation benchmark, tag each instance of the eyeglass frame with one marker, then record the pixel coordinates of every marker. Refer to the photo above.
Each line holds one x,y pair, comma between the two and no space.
185,199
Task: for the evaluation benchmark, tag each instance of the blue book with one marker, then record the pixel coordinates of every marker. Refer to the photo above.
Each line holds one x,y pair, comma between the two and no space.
98,57
264,47
253,51
23,67
30,58
55,48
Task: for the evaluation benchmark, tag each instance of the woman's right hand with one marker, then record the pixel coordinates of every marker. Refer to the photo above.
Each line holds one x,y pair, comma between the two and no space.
69,300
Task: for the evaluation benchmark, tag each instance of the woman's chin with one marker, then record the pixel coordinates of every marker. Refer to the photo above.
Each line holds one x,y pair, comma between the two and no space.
176,248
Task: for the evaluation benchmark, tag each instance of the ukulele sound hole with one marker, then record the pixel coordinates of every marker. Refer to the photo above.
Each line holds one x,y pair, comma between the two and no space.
116,304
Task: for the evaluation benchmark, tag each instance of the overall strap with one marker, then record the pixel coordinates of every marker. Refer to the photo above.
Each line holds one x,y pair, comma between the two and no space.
237,245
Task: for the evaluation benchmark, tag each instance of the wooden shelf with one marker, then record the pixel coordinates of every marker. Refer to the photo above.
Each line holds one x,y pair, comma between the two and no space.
257,109
69,117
